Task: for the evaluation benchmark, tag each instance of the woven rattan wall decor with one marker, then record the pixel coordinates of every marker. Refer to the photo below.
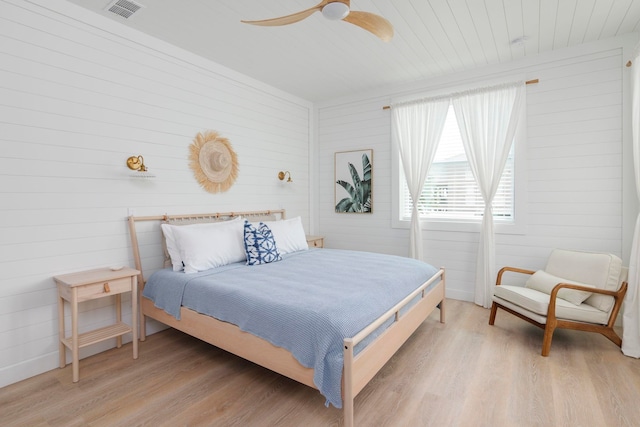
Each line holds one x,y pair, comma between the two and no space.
213,161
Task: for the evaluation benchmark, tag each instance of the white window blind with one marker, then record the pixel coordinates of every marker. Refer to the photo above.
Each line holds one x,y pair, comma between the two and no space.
450,191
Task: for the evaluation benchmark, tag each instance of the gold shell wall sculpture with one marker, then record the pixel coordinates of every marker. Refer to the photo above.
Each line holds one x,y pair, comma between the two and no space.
213,161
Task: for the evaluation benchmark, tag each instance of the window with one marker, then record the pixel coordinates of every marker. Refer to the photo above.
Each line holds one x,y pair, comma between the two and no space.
450,192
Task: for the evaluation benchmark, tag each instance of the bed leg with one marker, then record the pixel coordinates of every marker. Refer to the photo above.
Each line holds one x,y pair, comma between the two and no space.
441,305
348,413
143,327
347,390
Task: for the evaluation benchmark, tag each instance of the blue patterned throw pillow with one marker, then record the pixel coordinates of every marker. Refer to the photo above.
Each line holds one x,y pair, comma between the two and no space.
260,244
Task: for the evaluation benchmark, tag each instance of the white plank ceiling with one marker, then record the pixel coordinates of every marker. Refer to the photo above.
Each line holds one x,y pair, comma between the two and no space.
317,59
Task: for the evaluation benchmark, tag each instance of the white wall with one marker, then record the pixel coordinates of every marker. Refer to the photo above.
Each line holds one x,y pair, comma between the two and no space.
577,157
78,95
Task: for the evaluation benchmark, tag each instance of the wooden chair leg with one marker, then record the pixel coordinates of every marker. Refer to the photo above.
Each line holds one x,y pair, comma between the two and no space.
548,336
612,336
492,316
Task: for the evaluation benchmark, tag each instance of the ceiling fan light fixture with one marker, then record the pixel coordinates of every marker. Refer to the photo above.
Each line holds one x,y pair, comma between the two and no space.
335,11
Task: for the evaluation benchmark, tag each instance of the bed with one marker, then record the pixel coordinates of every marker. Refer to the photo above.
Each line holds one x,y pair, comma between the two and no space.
359,340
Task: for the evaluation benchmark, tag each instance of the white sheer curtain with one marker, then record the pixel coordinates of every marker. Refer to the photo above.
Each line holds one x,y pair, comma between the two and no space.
631,308
487,119
418,127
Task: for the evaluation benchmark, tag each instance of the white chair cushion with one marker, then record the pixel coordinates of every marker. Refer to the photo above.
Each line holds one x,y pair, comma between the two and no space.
545,282
598,269
535,305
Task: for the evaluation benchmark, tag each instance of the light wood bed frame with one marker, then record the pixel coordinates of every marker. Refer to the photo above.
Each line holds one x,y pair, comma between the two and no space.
358,369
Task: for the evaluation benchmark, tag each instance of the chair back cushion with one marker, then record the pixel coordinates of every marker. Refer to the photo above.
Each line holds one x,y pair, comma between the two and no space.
598,269
545,282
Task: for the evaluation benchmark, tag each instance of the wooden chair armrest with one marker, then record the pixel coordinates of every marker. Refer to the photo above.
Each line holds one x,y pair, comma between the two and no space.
512,269
617,296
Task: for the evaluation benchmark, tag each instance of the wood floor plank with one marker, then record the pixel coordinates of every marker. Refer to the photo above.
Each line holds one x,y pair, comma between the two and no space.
461,373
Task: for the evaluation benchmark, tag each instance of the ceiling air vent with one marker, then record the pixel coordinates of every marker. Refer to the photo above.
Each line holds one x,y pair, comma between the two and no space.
124,8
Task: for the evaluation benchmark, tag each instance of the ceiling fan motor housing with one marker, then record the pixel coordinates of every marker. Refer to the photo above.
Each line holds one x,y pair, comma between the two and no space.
335,11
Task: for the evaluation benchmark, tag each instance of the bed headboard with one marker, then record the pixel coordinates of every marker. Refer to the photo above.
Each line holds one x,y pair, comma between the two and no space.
146,235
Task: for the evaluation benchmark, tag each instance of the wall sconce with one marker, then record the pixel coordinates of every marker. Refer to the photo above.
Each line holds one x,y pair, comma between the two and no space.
136,163
282,175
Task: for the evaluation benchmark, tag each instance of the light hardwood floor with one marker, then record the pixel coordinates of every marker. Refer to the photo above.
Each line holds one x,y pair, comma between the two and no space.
461,373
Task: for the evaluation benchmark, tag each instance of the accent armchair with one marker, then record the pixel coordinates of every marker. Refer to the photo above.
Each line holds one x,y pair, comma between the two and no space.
576,290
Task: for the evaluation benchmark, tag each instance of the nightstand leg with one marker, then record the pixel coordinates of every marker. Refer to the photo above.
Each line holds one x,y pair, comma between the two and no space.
134,315
74,335
62,351
118,318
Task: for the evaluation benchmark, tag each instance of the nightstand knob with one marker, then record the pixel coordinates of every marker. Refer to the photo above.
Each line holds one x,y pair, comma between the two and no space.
106,288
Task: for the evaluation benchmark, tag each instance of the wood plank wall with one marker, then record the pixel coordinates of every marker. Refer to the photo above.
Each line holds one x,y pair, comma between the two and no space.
79,94
574,184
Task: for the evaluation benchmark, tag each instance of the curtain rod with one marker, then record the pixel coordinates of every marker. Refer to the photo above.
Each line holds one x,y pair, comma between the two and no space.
528,82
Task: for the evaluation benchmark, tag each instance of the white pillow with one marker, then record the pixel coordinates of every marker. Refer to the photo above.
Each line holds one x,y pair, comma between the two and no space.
206,246
168,242
288,234
545,282
172,246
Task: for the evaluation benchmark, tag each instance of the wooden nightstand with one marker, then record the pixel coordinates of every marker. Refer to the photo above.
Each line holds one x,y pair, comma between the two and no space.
88,285
315,241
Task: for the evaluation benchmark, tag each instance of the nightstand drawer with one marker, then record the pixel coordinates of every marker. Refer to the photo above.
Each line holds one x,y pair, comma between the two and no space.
315,241
101,289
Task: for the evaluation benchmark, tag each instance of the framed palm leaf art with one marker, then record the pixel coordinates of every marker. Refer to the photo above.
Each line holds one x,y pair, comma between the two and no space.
353,171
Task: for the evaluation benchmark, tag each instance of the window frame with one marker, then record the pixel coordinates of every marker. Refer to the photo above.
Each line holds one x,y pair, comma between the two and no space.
517,226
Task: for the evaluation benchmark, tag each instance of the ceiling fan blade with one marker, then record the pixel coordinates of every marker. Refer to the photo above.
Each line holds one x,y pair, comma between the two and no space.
375,24
289,19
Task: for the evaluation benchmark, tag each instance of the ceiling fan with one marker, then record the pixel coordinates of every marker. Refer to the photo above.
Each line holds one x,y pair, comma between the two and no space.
337,10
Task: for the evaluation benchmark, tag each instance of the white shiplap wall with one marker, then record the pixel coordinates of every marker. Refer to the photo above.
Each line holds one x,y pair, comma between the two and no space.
576,176
79,94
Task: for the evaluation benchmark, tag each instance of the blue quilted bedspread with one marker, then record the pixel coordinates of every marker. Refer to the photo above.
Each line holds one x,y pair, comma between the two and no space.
307,303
